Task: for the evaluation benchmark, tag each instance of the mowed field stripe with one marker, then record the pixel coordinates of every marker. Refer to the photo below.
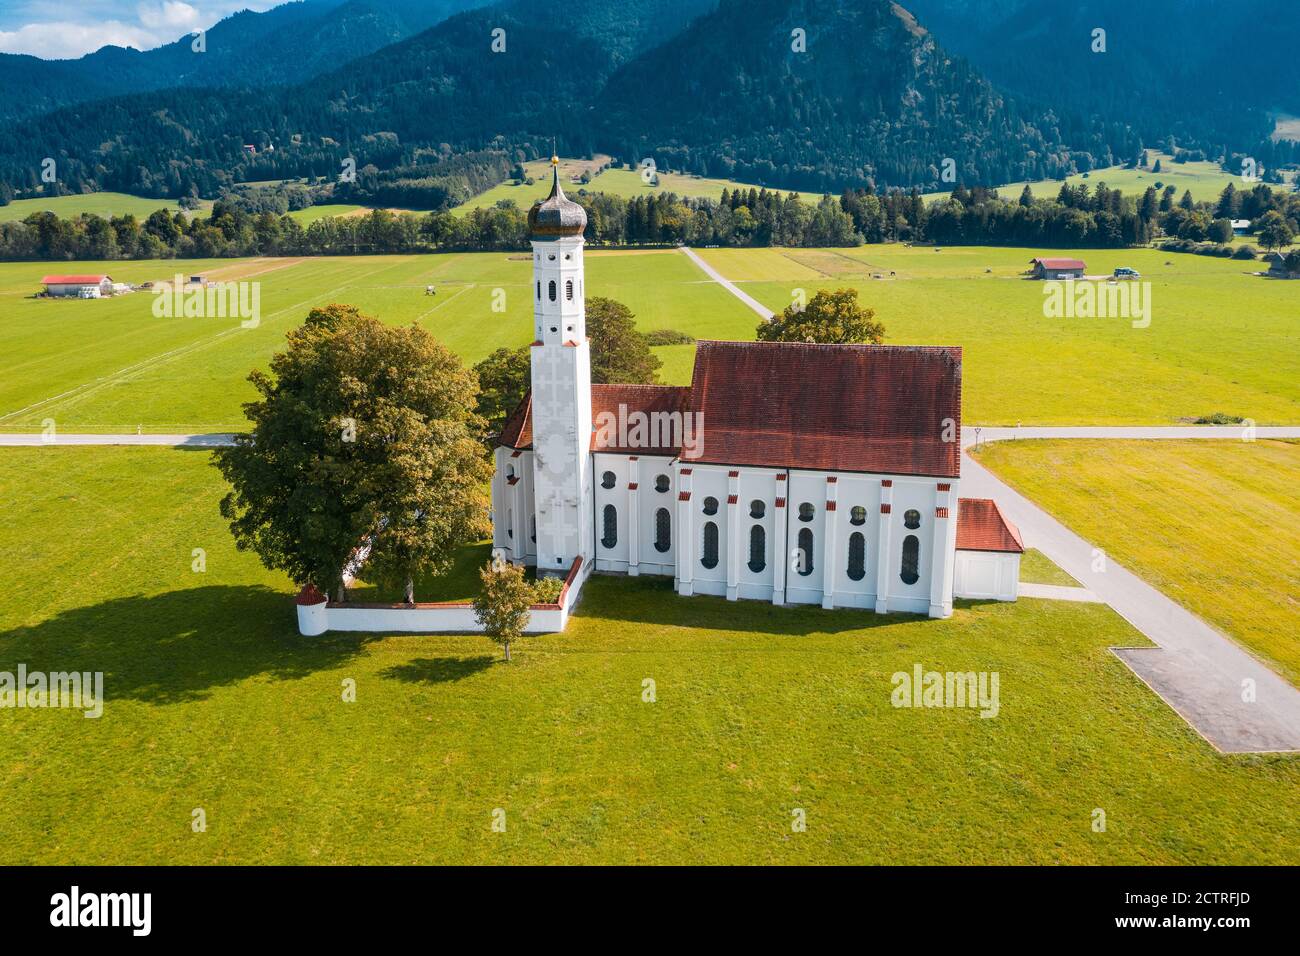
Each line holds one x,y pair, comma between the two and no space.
145,365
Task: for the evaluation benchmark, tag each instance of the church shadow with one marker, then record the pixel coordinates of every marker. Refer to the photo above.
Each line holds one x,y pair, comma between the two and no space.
653,600
438,670
178,646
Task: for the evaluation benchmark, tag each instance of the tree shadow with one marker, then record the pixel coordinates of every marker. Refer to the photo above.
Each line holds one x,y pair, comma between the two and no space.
179,646
438,670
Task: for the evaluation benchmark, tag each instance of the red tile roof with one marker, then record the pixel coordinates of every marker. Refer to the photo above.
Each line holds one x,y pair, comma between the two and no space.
73,280
1060,263
981,526
865,408
518,429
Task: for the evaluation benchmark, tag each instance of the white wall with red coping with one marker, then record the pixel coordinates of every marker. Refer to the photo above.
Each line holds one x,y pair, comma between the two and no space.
316,615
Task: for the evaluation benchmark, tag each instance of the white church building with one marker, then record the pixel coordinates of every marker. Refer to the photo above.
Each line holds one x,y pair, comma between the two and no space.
785,472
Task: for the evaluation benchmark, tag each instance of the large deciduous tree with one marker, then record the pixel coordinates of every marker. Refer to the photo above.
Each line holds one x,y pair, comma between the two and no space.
363,437
828,318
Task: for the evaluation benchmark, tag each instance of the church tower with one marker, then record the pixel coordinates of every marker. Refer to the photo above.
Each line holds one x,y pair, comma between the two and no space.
561,383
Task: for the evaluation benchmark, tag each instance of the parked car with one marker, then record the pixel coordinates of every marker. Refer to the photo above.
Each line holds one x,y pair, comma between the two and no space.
1125,273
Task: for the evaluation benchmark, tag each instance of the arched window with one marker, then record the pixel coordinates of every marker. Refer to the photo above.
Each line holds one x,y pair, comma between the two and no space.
510,471
663,530
550,290
757,548
611,527
857,556
539,290
912,519
510,523
607,480
568,289
756,508
662,483
805,566
710,506
709,556
806,512
532,529
911,559
858,515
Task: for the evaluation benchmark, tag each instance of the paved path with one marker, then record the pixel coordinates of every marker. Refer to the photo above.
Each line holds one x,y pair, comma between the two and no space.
170,441
727,284
1201,673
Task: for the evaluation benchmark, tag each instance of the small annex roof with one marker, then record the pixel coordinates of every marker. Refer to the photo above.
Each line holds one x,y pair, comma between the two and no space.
981,526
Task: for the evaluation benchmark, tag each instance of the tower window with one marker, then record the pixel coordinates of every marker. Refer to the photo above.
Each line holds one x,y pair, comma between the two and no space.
756,508
911,559
858,515
912,519
857,556
568,289
568,255
804,558
550,290
662,483
532,529
607,480
709,556
757,549
610,521
710,505
806,512
551,257
663,530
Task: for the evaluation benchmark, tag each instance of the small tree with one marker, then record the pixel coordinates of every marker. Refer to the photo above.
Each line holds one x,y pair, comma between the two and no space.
501,606
1273,231
828,318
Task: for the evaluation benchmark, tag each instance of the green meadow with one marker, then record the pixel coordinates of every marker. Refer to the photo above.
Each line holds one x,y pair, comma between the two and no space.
214,703
1219,340
100,204
626,183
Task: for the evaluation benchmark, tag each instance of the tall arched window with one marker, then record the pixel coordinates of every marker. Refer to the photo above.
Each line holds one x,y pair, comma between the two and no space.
550,290
911,559
709,555
857,556
663,530
568,289
757,549
858,515
805,552
610,520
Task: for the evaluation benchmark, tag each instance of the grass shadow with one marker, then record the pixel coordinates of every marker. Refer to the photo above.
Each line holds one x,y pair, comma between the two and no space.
177,646
438,670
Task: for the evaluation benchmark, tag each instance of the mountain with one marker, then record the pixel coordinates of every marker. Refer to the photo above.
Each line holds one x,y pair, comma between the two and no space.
1207,72
284,45
871,97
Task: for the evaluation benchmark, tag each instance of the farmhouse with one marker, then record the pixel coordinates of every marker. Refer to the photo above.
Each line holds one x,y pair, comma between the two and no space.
1057,268
83,286
1240,227
1277,266
786,472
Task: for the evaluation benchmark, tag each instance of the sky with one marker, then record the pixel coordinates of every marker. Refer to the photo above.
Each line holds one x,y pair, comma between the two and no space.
65,29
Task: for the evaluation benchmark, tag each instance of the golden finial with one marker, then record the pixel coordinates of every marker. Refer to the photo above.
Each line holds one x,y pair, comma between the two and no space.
555,160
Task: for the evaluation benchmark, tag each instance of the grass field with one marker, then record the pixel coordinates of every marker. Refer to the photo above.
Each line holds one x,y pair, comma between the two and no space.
312,213
1038,568
1219,339
101,204
1214,525
617,182
215,703
1205,180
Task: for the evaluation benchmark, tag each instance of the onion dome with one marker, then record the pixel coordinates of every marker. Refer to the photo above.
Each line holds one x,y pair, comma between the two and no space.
556,215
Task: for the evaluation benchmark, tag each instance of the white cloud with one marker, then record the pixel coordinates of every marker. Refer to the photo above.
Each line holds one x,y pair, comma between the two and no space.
172,13
61,40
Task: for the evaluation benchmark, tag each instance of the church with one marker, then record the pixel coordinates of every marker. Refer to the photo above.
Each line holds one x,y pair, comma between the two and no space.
785,472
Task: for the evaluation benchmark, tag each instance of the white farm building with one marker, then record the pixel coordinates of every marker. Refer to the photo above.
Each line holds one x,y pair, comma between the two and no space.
78,286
